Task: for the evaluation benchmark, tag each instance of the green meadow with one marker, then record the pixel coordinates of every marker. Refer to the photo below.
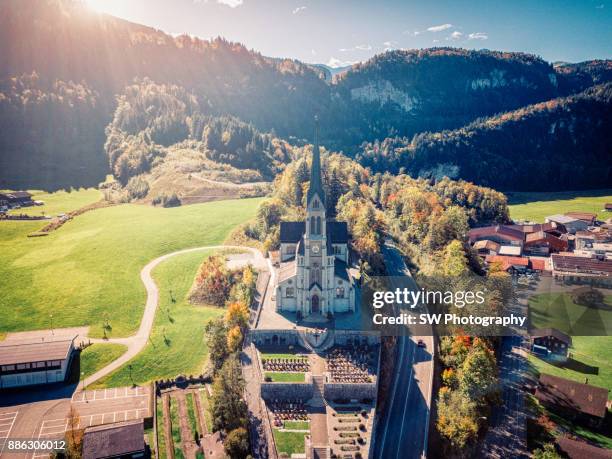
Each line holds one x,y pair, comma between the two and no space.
177,344
590,328
89,269
536,206
97,356
60,201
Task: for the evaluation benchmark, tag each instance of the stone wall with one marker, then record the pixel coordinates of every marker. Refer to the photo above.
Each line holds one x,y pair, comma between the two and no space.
273,337
334,391
286,391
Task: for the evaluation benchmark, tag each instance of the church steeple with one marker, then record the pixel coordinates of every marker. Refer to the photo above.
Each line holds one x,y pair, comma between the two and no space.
316,184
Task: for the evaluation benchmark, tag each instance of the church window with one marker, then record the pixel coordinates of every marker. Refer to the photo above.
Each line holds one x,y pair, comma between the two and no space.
337,250
289,292
315,204
313,229
340,292
318,225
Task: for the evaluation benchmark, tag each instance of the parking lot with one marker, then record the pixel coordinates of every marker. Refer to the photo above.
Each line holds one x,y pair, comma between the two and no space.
48,419
7,421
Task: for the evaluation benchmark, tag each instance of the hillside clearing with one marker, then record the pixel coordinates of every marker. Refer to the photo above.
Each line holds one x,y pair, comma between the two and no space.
90,268
536,206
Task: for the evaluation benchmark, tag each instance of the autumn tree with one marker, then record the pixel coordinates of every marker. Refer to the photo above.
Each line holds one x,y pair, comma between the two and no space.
228,409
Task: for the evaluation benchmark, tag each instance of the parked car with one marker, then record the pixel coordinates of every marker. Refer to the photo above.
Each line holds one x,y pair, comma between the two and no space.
421,343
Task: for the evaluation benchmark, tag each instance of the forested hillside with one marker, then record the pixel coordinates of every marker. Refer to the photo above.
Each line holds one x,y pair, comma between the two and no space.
564,143
397,93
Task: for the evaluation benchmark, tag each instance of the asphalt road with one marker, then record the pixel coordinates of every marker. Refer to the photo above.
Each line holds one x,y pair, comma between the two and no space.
402,432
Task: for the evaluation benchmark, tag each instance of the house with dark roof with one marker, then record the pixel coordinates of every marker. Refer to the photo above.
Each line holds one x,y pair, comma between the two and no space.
16,198
570,224
119,440
588,217
574,449
314,277
576,401
554,341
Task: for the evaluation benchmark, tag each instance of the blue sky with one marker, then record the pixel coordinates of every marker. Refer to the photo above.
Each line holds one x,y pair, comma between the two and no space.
340,32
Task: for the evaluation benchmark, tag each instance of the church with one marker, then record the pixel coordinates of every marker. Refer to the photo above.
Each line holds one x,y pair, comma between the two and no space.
314,277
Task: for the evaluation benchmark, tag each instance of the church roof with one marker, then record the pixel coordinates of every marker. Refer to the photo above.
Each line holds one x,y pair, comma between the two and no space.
286,271
316,183
341,270
292,232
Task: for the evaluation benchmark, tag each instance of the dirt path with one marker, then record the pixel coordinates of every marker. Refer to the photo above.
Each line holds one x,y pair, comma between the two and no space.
167,426
187,436
200,412
137,342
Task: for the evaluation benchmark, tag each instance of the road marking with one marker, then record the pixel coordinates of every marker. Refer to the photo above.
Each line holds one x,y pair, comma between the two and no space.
414,348
4,434
114,394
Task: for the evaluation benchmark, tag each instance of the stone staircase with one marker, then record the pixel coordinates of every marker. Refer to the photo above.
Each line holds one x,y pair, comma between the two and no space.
318,398
320,452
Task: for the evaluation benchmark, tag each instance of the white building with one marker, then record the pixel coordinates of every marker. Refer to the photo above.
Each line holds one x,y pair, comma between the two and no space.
25,363
570,224
314,276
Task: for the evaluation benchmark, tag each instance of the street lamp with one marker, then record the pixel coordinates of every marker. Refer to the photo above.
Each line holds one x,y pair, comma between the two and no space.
84,391
131,379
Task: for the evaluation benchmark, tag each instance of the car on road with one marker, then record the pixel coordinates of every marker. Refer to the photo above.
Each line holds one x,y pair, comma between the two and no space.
421,343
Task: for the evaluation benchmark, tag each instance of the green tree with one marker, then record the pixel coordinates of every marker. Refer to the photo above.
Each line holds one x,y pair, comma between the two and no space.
216,338
548,452
455,262
236,443
228,409
478,374
457,418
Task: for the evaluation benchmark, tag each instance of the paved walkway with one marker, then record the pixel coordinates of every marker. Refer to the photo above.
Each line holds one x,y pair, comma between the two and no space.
136,343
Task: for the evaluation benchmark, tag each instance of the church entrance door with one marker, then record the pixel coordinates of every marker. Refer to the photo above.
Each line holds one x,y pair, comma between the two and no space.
314,303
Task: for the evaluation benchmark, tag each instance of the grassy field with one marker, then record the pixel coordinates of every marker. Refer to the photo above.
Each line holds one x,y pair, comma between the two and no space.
296,425
175,427
191,412
161,431
536,206
591,358
557,310
60,201
178,326
90,267
206,409
289,442
277,376
98,356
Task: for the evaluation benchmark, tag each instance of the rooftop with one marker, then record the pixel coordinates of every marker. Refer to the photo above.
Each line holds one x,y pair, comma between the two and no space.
113,440
563,219
575,449
583,265
542,332
568,394
12,353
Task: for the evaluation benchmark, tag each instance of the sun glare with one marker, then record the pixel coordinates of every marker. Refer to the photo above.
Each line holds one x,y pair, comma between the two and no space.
114,7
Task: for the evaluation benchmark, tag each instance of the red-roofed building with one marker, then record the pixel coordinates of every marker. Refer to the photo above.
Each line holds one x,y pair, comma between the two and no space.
518,264
542,243
502,234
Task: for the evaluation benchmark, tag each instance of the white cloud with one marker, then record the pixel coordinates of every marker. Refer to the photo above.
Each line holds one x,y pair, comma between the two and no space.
313,52
298,9
231,3
456,35
414,33
363,47
334,63
600,6
435,41
478,36
439,28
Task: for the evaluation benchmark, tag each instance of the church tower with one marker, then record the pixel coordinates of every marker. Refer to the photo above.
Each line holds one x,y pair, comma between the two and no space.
315,238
